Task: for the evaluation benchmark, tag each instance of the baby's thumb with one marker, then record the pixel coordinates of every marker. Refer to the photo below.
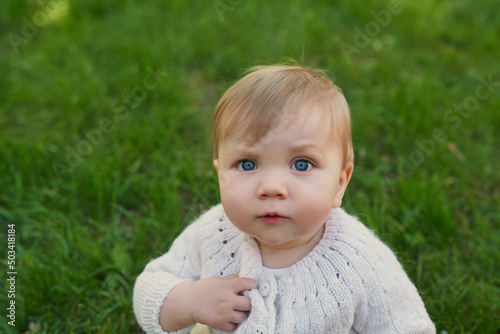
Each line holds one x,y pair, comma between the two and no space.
230,277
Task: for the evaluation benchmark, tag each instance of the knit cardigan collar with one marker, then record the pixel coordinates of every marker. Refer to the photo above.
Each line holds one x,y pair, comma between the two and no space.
297,285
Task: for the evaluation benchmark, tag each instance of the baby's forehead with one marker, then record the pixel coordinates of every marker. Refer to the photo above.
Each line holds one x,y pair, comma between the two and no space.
267,100
290,130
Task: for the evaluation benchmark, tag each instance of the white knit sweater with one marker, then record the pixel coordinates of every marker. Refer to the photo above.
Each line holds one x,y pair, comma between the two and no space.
350,282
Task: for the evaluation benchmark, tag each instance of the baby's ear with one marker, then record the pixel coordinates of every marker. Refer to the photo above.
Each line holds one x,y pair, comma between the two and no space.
344,177
216,165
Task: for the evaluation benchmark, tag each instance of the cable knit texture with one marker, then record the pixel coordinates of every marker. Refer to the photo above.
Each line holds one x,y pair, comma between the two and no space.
351,282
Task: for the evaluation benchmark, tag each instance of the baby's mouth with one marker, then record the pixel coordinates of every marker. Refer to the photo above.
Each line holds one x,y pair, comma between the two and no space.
272,218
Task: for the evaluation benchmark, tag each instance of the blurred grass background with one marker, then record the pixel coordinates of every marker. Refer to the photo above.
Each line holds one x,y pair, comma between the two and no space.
105,156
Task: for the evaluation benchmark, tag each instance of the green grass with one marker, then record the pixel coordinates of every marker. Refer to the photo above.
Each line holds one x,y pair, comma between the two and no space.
97,183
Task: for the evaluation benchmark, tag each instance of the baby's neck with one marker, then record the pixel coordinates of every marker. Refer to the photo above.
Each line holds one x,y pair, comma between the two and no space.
284,257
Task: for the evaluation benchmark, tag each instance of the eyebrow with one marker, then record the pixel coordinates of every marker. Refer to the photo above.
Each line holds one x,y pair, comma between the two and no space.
306,146
245,151
301,146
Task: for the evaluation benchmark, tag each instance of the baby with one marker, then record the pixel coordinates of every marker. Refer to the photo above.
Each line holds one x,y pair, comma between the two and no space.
279,255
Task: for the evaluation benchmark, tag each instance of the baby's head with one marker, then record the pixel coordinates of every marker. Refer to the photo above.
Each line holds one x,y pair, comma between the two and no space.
283,153
269,97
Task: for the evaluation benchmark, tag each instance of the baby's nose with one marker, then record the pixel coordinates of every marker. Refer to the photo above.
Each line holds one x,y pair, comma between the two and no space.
272,186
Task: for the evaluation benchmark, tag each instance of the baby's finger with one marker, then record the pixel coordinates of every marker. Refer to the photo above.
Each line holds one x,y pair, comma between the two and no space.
242,304
226,327
238,317
230,277
243,283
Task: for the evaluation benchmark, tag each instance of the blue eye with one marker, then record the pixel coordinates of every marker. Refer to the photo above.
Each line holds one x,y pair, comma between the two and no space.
246,165
301,165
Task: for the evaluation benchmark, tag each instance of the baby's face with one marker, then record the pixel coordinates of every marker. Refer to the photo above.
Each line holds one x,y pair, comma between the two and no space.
281,190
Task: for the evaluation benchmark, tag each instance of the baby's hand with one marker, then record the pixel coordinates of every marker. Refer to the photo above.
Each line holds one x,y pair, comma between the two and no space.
216,301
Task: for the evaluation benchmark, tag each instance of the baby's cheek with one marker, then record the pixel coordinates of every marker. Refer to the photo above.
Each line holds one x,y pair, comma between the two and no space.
224,180
315,209
236,199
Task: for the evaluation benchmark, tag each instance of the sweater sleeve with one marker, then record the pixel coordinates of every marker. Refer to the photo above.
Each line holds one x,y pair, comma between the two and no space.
392,303
179,264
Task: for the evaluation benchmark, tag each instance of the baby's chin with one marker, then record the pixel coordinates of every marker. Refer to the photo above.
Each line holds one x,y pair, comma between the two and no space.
277,242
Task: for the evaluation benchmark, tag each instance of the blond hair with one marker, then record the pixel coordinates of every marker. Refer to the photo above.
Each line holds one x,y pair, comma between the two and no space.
258,102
